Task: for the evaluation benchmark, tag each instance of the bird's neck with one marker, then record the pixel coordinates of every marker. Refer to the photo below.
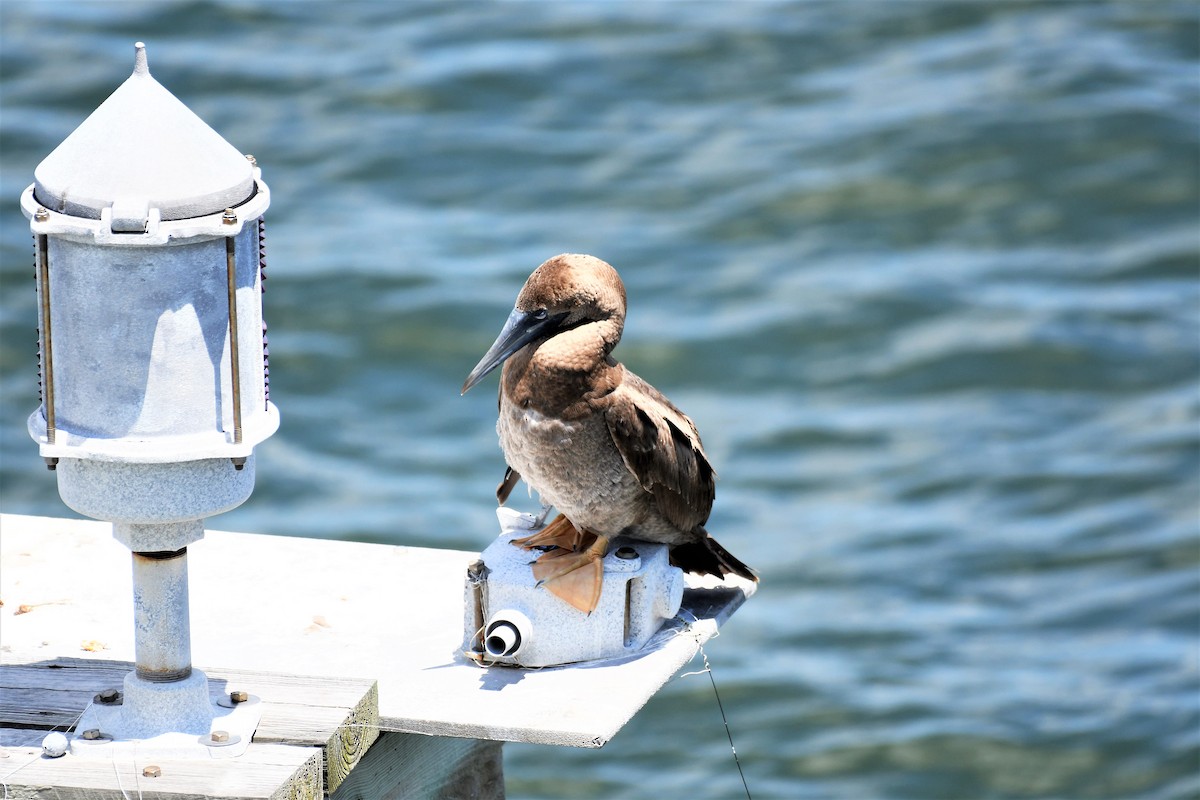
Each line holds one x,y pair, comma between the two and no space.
556,374
577,349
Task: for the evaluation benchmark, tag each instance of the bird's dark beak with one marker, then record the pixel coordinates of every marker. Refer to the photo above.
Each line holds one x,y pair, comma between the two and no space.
521,328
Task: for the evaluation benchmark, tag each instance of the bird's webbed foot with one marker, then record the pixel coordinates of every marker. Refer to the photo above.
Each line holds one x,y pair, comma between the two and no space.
559,533
575,576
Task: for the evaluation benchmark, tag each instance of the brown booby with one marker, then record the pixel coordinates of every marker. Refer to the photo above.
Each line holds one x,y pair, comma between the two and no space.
597,442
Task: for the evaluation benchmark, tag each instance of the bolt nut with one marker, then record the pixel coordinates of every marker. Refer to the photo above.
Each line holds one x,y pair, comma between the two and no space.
219,737
252,159
91,734
107,697
41,215
151,771
238,697
626,553
229,217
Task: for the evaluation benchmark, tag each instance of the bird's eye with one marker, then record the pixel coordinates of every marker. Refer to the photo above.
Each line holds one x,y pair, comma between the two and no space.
539,314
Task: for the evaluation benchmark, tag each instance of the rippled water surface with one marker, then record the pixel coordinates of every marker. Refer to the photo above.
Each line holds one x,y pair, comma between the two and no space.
925,276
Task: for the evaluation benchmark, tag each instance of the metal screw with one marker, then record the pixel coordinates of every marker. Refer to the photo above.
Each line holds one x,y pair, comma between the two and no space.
229,217
626,553
91,734
252,159
239,463
151,771
238,697
41,215
219,737
108,696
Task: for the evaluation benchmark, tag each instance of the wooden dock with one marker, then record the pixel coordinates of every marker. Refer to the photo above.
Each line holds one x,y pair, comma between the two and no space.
341,640
313,732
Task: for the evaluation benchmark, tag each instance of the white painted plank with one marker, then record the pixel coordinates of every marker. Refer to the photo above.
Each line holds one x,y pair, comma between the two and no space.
282,604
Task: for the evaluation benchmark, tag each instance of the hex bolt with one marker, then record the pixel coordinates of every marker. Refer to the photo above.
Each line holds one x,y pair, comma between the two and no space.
91,734
219,737
238,697
151,771
626,553
229,217
41,215
108,696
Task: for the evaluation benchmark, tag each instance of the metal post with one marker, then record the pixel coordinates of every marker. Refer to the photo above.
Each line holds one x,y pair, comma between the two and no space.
161,617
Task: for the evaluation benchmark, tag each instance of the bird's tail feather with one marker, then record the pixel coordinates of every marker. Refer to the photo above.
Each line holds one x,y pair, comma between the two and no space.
708,557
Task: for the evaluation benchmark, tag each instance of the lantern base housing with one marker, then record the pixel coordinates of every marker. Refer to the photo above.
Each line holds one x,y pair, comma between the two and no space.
166,720
127,492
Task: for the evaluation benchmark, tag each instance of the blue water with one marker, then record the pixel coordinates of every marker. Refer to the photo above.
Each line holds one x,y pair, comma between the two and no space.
925,275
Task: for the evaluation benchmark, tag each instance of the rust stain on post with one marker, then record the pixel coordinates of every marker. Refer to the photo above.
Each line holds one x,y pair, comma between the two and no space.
47,348
235,368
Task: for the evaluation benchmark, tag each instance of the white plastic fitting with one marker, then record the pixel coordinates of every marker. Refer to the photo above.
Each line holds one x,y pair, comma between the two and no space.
531,627
506,633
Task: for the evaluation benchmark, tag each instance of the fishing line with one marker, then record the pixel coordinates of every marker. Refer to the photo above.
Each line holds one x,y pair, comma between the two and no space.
38,755
117,774
720,707
68,726
4,780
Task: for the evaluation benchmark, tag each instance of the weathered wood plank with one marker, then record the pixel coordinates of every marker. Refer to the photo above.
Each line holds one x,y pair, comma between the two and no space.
344,735
338,716
271,772
408,766
18,737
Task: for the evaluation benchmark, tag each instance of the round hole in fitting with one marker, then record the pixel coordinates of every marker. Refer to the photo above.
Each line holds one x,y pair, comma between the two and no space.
503,639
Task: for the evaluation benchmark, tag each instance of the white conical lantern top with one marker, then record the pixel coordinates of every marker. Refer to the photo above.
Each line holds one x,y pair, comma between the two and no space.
143,146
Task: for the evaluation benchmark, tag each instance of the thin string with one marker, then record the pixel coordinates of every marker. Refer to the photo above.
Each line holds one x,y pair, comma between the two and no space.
137,773
728,733
37,755
4,780
720,706
117,773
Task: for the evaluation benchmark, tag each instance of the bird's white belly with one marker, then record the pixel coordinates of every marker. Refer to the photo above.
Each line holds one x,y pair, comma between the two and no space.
574,466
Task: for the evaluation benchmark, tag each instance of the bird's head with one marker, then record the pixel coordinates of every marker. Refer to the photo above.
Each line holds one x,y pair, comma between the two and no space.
565,292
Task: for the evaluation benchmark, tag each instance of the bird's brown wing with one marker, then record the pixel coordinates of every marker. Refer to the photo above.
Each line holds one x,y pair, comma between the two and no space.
662,449
511,476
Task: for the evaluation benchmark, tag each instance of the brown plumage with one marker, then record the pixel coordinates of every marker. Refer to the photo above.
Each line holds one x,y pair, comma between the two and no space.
604,447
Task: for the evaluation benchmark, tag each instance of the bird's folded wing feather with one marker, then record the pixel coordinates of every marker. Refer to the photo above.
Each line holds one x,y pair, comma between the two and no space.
662,449
511,476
